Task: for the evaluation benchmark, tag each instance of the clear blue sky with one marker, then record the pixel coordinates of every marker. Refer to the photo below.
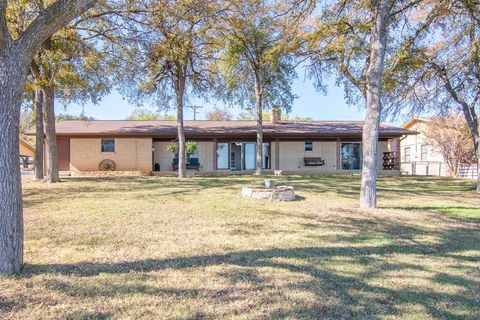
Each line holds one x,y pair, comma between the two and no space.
310,103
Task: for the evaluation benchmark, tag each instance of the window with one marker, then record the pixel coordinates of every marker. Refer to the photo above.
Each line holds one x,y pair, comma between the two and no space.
222,155
423,155
351,156
266,156
308,146
407,154
108,145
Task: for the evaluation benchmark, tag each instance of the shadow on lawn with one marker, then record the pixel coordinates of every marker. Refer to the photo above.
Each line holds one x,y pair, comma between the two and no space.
350,295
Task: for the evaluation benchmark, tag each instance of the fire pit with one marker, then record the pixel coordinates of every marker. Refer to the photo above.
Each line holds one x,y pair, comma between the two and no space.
281,193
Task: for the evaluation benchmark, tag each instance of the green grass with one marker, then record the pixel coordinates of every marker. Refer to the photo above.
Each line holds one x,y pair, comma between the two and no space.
160,248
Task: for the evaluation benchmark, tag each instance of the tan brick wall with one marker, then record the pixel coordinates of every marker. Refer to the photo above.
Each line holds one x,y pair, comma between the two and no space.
131,154
164,157
293,152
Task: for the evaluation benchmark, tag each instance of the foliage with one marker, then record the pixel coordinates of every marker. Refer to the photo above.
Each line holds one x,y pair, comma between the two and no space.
171,52
145,114
451,136
219,114
190,147
66,116
26,123
339,42
258,39
250,115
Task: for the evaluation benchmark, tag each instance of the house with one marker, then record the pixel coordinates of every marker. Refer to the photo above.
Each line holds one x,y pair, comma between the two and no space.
419,157
225,147
26,149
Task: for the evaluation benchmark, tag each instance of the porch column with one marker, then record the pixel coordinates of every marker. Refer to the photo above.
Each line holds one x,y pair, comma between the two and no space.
338,153
277,154
214,153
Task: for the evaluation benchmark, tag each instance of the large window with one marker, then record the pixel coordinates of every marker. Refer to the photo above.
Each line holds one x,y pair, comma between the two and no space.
222,155
108,145
407,154
351,156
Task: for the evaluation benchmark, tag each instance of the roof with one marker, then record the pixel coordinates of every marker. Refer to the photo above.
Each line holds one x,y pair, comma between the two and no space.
26,149
205,128
411,122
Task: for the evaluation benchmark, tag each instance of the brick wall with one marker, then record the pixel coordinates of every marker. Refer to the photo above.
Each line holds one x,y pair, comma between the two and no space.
131,154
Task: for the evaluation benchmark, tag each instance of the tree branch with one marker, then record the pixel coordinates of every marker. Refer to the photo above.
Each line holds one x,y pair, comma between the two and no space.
50,21
5,37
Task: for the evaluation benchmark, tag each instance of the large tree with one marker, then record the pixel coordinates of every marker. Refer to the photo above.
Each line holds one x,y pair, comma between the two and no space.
16,54
174,52
258,41
352,37
438,68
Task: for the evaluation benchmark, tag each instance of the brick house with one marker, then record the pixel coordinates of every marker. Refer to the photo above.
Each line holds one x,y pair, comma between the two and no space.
225,147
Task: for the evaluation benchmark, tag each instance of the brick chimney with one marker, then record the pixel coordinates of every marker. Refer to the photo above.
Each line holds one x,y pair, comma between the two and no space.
276,115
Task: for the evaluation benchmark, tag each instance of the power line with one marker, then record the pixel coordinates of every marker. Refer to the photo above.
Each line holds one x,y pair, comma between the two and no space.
194,109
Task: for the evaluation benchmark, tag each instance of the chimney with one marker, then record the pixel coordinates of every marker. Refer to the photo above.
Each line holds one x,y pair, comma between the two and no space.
276,115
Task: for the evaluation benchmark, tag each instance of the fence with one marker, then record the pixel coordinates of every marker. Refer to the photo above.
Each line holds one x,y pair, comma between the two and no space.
468,171
437,168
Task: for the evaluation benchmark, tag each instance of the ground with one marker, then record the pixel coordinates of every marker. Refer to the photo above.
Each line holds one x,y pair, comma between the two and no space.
160,248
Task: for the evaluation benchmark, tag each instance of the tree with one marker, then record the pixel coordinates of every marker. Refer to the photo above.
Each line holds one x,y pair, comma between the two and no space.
218,114
252,116
176,52
451,136
16,54
145,114
439,66
66,116
351,38
259,38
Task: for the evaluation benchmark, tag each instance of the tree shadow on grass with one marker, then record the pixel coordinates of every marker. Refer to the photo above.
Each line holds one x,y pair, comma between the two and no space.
354,295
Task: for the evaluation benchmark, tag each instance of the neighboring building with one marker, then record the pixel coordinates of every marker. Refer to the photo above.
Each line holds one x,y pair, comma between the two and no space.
26,149
224,146
27,152
418,157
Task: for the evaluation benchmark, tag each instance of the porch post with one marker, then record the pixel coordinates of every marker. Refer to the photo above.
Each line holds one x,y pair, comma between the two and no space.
338,154
214,153
277,153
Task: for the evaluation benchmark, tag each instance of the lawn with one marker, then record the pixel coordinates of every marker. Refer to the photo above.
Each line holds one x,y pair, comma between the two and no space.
160,248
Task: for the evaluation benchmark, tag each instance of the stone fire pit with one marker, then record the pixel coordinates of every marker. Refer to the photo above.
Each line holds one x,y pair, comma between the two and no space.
281,193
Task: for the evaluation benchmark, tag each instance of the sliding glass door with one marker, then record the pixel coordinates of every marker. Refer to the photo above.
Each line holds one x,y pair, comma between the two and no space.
249,155
229,153
351,156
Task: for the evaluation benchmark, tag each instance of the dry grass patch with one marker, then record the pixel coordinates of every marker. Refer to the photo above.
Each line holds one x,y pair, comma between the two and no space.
159,248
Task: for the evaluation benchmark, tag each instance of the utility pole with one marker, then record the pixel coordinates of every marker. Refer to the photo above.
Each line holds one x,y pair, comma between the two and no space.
195,108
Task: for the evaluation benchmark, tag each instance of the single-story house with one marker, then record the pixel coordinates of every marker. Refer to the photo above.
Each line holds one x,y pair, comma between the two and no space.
224,147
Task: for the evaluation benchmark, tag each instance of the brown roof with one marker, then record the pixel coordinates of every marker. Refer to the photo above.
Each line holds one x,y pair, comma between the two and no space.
219,128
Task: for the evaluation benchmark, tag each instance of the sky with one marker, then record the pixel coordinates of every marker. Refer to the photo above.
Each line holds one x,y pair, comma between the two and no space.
310,103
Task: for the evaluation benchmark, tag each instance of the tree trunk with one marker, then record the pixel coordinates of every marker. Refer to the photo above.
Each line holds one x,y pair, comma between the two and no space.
182,163
259,109
12,78
15,57
368,191
51,135
39,134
